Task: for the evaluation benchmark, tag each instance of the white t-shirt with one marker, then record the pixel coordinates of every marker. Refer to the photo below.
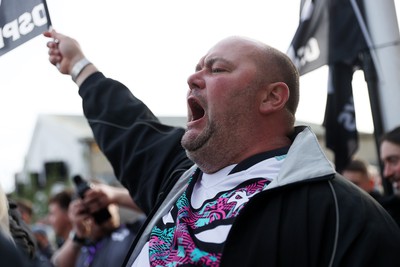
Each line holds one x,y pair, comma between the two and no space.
195,229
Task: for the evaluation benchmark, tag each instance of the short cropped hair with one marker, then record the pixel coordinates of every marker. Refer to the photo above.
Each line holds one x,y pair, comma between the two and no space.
357,165
276,66
63,199
392,136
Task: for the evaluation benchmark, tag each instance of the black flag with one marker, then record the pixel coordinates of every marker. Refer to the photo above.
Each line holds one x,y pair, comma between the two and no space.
329,34
309,48
20,21
340,119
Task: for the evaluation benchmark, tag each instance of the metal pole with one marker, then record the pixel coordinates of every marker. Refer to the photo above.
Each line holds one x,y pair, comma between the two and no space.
383,28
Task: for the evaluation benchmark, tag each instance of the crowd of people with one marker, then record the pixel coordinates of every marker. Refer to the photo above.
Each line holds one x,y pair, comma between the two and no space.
239,186
364,175
92,243
79,241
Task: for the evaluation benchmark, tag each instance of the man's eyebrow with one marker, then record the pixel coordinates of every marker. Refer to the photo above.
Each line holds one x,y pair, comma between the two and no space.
210,61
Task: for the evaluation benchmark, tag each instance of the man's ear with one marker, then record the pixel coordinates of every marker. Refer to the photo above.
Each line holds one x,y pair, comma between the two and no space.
274,97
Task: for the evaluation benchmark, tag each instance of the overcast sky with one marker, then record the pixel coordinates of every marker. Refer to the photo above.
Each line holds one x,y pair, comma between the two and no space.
152,47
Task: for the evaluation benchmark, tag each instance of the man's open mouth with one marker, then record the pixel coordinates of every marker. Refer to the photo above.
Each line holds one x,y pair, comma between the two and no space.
196,110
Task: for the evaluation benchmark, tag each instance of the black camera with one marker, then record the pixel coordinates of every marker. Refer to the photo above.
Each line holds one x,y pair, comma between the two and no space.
82,186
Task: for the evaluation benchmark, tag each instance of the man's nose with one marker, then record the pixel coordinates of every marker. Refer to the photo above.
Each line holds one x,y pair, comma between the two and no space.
387,171
196,81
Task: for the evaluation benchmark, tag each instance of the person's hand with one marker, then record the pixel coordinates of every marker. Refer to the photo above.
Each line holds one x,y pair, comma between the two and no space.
98,197
80,218
64,51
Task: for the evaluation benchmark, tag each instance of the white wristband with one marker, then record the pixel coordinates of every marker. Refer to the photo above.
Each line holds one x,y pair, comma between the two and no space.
78,68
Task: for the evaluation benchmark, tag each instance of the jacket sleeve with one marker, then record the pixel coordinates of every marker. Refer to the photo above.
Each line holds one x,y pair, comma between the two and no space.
146,155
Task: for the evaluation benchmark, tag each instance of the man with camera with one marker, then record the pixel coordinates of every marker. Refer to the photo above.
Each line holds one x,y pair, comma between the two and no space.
95,242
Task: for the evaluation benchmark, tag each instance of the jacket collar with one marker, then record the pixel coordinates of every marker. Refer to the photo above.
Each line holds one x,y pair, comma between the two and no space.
305,160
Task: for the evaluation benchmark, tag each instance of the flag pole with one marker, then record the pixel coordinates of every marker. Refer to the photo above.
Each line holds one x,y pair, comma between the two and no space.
383,40
47,13
385,51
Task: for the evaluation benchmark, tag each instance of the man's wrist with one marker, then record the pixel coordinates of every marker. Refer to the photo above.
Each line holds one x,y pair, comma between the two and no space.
76,239
79,67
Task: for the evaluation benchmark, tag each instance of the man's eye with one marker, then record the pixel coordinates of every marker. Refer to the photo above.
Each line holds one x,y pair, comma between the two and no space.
393,160
217,70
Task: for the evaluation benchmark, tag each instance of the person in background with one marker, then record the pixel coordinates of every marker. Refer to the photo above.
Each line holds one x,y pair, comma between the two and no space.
21,232
390,157
26,210
17,248
241,185
4,216
377,178
94,244
44,246
362,175
58,215
357,172
11,256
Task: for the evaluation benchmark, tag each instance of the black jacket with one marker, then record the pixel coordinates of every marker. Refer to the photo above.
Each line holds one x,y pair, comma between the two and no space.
310,216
